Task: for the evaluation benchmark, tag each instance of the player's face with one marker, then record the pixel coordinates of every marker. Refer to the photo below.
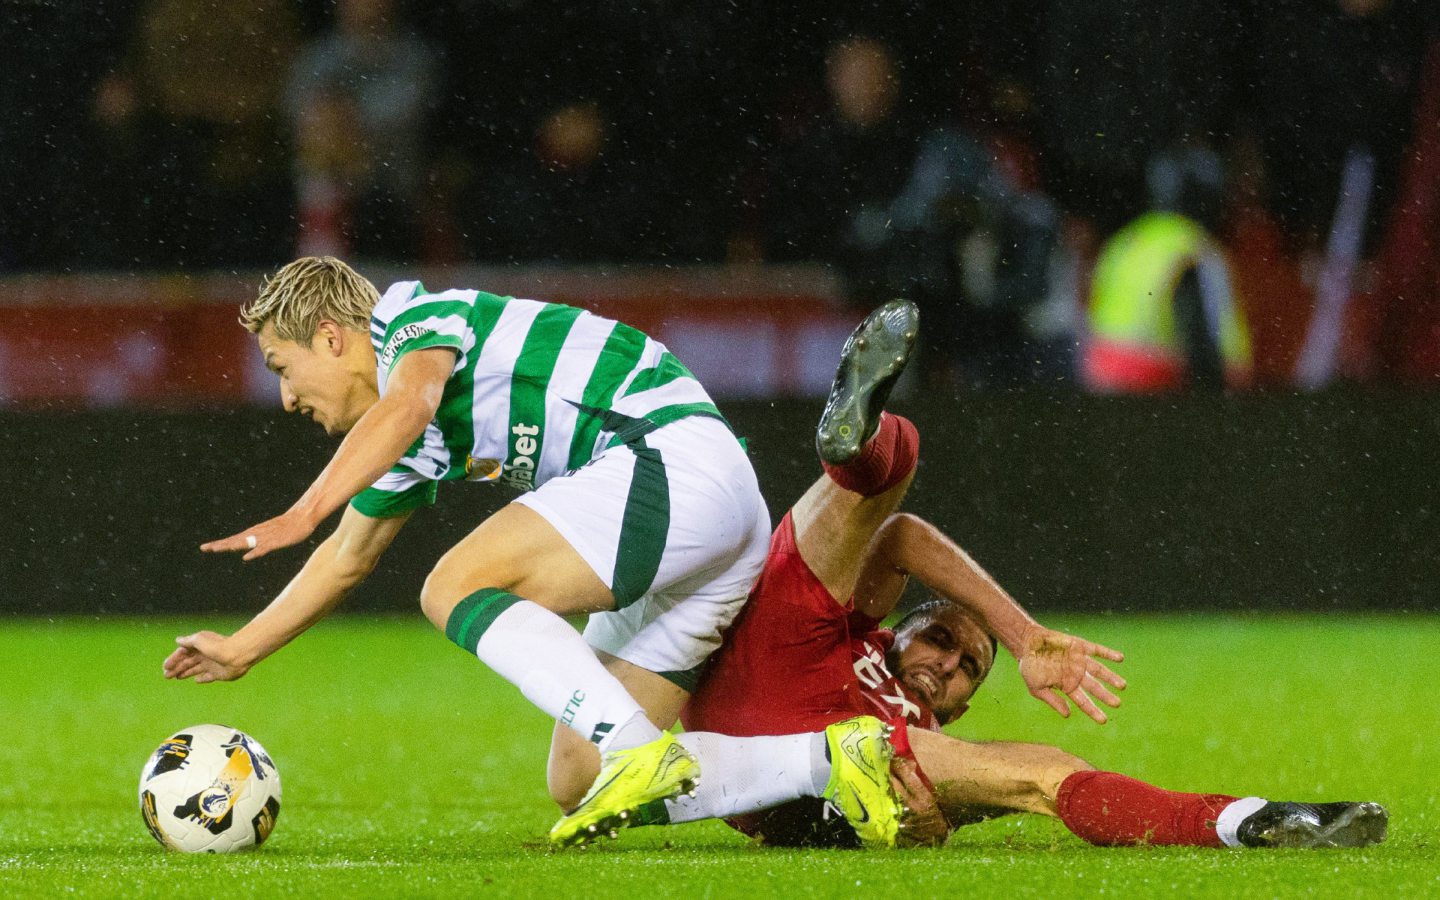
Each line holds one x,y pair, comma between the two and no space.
944,660
313,381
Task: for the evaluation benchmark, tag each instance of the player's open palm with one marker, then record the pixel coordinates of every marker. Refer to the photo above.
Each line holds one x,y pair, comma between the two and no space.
204,656
1057,666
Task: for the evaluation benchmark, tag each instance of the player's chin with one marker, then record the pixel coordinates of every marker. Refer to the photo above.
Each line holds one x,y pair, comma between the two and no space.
336,429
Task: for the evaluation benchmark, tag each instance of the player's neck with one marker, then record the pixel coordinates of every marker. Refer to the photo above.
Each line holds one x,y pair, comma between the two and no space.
360,362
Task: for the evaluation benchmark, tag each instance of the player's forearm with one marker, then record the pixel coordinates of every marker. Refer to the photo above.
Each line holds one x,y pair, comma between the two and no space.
371,448
922,550
326,579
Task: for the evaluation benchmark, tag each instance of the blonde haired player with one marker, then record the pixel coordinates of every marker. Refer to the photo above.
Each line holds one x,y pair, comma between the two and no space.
638,505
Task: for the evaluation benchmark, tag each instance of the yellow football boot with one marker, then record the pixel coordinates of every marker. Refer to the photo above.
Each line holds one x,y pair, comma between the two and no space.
628,779
859,785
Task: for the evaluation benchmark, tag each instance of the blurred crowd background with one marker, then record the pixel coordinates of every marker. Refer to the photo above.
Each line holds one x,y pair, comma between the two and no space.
994,160
1236,197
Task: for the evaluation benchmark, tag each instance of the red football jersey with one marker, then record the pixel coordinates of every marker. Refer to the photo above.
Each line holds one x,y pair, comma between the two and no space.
789,664
888,698
796,660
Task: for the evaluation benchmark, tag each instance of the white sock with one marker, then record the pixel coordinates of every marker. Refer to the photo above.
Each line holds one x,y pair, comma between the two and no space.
1227,824
743,775
538,652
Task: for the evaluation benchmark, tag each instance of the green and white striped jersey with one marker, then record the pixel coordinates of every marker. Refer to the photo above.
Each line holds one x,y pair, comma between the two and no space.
535,391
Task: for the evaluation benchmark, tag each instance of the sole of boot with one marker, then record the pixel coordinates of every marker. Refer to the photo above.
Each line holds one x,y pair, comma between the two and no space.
873,358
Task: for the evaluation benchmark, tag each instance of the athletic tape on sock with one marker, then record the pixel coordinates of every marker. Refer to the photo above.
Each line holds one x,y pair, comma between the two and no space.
474,615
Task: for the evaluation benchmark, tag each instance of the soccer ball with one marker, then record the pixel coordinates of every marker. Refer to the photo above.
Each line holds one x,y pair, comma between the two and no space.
210,789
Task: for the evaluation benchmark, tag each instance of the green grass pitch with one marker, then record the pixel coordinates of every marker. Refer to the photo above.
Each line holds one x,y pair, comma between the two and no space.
410,770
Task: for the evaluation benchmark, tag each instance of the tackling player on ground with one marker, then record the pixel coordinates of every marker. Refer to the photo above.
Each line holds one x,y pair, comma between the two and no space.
807,650
640,506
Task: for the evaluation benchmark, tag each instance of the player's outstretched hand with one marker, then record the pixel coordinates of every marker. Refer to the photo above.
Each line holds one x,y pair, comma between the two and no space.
922,824
1056,666
206,657
284,530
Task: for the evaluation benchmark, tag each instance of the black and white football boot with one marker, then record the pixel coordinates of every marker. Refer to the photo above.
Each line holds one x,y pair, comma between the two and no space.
873,358
1309,825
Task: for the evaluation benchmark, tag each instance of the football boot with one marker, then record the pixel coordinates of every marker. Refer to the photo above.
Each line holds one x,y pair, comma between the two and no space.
873,357
660,770
860,785
1278,824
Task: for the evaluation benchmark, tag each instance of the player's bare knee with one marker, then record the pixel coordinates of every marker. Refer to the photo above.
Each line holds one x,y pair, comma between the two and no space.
453,579
436,606
440,594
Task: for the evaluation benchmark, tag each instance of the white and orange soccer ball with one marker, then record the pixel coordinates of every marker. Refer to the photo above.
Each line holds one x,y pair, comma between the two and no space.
210,789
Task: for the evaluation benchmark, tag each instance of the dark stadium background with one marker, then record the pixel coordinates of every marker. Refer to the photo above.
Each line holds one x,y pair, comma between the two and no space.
134,423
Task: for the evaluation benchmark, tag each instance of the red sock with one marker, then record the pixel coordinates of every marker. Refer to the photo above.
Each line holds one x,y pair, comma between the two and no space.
1106,808
883,462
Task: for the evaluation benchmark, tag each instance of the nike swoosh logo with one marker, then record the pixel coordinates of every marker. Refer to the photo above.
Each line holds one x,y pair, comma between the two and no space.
864,813
595,792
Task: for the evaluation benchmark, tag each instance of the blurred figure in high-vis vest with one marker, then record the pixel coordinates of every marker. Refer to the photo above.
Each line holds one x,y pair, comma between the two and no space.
1163,313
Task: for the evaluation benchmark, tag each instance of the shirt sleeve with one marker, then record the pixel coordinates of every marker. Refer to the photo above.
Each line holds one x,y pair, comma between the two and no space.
397,492
429,321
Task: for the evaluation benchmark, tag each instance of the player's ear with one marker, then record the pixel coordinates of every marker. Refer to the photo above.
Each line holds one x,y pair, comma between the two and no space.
329,338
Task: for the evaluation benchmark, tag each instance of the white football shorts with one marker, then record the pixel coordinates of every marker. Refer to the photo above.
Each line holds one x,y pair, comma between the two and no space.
675,526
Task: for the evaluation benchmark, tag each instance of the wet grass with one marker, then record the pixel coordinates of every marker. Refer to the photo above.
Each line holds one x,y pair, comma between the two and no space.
410,770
